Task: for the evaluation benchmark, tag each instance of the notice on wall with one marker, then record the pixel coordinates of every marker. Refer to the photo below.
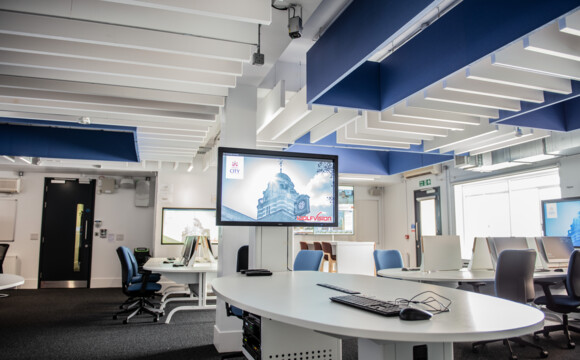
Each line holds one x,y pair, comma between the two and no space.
7,219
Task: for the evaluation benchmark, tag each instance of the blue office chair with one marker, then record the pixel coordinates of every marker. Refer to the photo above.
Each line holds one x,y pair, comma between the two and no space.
138,274
388,259
563,304
308,260
514,280
139,292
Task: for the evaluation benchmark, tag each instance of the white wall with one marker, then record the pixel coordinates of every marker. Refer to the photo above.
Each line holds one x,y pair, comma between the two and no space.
570,176
116,211
181,190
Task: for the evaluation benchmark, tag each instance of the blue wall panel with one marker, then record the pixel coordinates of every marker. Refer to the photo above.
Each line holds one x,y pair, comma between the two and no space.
17,139
361,29
572,114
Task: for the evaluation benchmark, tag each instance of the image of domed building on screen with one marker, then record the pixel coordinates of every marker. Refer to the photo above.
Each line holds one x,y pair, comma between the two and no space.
281,202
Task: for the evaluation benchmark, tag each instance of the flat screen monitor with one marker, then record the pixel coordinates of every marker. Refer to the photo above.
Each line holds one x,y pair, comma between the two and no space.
177,223
555,249
276,188
345,216
561,217
499,244
188,249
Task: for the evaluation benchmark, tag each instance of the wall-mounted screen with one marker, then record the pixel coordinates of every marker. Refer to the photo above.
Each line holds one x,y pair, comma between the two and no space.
345,216
178,223
561,217
276,188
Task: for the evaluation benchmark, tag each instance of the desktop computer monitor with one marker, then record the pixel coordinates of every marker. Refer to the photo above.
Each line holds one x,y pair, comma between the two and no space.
555,249
188,249
441,252
499,244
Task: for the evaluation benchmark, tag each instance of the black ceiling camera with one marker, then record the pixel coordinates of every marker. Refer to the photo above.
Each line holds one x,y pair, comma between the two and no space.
294,22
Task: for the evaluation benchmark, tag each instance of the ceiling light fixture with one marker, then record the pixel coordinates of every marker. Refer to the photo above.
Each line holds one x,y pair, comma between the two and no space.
85,120
28,161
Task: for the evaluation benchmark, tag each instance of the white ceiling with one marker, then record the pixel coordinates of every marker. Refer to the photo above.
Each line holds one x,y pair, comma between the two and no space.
165,67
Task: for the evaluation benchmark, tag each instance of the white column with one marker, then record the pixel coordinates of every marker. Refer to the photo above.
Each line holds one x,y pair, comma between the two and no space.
238,129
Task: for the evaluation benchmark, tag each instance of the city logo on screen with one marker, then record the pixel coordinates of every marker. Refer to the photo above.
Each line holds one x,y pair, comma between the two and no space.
316,218
234,167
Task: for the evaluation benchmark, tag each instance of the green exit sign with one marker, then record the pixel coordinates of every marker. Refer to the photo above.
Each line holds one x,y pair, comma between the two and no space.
425,182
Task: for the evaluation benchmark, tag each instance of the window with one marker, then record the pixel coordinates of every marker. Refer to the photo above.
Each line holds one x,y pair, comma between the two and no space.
506,206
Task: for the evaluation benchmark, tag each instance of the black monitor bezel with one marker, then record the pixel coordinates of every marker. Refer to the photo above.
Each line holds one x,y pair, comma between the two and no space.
568,199
272,153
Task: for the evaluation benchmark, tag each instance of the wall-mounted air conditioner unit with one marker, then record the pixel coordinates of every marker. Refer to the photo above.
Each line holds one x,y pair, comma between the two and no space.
429,170
11,186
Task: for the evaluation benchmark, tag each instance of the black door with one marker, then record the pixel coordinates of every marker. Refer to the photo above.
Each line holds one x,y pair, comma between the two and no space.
427,217
67,225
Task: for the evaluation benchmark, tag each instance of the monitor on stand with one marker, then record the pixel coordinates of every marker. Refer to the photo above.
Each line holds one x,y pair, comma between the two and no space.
555,250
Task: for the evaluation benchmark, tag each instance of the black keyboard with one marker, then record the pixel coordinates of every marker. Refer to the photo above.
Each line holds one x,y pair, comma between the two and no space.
338,288
380,307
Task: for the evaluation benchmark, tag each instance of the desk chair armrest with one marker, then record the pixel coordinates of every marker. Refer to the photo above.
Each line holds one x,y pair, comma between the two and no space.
145,280
546,284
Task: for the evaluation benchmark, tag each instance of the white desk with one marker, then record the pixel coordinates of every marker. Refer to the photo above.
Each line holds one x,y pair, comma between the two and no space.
188,275
462,275
294,298
8,281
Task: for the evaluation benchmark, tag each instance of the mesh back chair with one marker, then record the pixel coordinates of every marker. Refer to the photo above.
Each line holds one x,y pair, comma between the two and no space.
3,251
241,264
563,304
327,248
139,292
514,280
308,260
388,259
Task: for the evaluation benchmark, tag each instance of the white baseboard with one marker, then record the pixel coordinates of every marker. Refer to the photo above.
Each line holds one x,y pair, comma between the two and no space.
227,341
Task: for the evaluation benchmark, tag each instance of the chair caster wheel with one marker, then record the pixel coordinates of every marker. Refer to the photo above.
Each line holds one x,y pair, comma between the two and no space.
156,319
474,350
125,322
536,337
546,334
543,354
114,317
571,345
514,357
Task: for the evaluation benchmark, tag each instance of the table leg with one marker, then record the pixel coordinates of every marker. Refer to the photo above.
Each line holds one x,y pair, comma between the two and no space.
383,350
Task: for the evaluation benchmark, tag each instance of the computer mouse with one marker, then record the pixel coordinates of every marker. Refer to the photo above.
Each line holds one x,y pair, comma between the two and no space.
410,313
559,270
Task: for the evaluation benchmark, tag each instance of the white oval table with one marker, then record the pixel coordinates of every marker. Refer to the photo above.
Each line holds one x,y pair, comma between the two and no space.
8,281
293,298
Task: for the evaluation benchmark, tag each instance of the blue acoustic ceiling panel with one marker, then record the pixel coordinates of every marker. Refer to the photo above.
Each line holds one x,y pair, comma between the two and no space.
67,141
549,115
355,159
470,31
360,30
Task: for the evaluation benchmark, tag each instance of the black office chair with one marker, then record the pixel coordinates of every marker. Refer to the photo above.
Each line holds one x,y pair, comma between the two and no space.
3,251
563,304
138,291
138,275
241,264
514,280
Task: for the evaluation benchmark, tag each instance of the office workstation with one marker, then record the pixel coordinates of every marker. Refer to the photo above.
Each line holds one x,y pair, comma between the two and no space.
428,157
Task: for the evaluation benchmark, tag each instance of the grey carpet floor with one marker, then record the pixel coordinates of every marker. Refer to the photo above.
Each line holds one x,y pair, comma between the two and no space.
78,324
